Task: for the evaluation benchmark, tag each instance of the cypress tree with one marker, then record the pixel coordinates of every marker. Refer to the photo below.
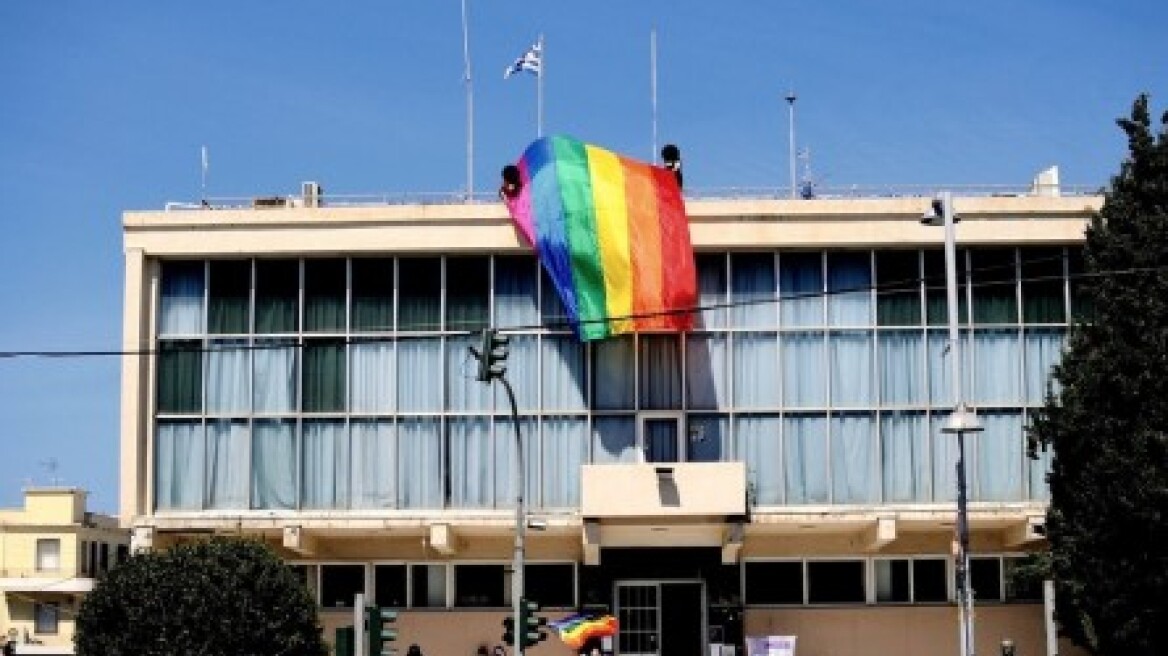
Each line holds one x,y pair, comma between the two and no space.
1107,423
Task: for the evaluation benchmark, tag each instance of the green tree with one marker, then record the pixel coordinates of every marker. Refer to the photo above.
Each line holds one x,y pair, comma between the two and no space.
1107,424
216,597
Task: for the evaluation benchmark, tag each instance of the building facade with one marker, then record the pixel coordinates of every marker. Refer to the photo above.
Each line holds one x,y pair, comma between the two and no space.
304,376
51,552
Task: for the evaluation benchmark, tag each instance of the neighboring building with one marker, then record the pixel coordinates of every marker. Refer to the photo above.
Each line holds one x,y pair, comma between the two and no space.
779,471
51,551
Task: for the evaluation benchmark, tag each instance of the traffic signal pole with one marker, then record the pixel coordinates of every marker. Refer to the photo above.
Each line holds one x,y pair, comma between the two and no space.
520,526
492,357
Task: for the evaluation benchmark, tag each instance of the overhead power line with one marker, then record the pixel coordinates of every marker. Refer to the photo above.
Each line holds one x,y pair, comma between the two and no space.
278,341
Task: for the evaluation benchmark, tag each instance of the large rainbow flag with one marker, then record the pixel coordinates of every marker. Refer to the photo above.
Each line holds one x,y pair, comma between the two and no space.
577,629
612,234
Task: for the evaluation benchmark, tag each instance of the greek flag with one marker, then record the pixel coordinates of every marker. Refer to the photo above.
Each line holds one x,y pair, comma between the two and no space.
530,61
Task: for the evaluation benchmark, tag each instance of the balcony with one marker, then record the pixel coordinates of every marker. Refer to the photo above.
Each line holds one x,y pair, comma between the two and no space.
31,581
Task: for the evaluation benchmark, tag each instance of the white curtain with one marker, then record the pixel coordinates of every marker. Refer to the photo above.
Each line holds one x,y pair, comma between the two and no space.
801,287
945,460
179,466
614,439
712,290
372,372
705,372
419,374
940,387
1044,348
464,393
374,464
660,372
470,462
851,369
273,465
853,459
523,374
326,464
902,367
419,462
756,371
180,309
227,464
804,370
904,457
805,459
849,281
563,452
615,384
998,373
504,461
760,448
564,378
515,291
752,290
274,380
228,364
1000,452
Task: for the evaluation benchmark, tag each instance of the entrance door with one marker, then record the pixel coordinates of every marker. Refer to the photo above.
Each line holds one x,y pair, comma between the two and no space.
661,618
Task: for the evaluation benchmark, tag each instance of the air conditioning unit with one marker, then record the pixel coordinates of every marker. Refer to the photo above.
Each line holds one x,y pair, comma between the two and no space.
312,193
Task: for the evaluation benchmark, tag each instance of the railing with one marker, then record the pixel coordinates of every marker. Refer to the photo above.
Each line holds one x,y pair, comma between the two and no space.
715,193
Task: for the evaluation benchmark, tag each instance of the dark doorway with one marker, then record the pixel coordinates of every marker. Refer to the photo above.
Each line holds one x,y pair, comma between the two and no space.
681,619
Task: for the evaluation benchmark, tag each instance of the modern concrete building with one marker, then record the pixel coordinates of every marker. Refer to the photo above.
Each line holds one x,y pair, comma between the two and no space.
51,551
304,376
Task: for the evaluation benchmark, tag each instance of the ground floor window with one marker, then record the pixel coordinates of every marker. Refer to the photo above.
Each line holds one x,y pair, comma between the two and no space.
46,618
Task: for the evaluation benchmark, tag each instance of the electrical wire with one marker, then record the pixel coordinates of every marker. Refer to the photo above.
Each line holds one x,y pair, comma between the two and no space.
290,341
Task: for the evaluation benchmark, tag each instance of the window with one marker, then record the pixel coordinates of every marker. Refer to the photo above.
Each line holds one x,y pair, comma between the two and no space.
123,553
48,555
307,575
428,586
929,581
835,582
551,584
479,586
277,296
372,294
47,617
1022,583
339,583
892,581
324,295
83,556
774,582
229,292
995,298
985,577
389,585
898,296
103,557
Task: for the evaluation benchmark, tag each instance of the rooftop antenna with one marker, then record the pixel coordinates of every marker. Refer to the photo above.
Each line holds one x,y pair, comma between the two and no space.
50,466
791,137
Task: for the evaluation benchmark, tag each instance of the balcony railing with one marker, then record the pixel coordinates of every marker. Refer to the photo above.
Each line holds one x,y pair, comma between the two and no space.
716,193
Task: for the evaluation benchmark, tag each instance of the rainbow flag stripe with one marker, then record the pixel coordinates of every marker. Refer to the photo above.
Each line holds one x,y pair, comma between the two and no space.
577,629
612,234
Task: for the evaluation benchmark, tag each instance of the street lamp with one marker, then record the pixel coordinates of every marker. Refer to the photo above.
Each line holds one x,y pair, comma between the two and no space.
962,421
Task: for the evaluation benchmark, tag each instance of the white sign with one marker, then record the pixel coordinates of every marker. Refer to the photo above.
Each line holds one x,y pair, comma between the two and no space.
770,646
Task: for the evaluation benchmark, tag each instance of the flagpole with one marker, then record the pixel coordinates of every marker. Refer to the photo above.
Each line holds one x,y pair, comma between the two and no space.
653,87
539,90
203,184
469,107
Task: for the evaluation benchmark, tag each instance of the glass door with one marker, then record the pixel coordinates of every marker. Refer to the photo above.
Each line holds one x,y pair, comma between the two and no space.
639,619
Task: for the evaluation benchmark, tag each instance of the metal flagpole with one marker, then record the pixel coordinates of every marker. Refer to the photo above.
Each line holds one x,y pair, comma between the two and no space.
469,107
791,137
653,86
539,90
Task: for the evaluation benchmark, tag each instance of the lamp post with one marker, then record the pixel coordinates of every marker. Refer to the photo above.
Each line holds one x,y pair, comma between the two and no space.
962,421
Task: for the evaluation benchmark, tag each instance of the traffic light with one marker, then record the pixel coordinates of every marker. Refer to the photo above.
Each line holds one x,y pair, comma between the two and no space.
509,631
377,623
532,624
492,355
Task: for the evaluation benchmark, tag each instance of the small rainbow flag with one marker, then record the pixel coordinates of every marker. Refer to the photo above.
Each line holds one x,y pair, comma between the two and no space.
612,234
577,629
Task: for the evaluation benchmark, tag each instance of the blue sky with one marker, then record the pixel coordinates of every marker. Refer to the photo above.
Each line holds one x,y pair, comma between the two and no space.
104,107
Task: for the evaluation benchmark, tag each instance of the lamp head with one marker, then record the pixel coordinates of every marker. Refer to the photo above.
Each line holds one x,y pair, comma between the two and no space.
935,215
